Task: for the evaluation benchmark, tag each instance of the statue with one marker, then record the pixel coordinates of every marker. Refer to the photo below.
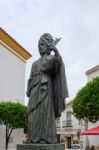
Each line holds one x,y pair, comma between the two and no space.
47,90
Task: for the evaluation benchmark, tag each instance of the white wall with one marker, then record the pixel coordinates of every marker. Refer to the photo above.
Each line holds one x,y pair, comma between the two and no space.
2,137
12,76
75,122
93,74
16,137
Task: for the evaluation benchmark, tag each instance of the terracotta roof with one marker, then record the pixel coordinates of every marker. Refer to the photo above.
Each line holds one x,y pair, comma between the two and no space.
92,69
8,40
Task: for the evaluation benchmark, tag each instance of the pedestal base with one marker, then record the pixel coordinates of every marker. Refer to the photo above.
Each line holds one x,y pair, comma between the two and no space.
40,147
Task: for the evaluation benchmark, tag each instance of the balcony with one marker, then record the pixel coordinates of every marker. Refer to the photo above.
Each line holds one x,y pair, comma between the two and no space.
67,123
58,125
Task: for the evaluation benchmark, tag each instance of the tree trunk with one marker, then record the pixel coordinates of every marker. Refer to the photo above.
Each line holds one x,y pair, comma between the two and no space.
6,144
8,133
86,136
7,140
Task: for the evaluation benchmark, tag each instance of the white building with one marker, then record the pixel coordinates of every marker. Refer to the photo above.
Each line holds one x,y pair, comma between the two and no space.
68,127
92,73
12,68
13,59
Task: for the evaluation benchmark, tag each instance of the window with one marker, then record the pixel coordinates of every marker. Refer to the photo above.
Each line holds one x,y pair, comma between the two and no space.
68,119
58,123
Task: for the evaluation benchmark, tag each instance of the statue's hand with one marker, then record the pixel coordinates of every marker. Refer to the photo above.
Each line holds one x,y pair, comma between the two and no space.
54,49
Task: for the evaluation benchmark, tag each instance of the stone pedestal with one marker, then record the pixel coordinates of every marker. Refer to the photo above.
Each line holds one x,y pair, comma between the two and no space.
40,147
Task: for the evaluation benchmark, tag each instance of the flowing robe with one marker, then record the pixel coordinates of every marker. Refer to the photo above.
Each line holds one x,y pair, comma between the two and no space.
46,98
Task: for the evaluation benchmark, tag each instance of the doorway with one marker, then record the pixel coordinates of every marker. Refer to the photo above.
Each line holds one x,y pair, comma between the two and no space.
68,142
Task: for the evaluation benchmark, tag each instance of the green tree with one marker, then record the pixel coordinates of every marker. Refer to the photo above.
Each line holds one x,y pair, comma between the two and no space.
86,102
13,115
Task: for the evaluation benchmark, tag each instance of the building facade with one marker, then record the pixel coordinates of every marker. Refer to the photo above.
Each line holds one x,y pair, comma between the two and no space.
68,127
92,73
13,59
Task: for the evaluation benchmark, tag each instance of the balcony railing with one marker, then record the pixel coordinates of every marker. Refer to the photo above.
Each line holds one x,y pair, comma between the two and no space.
67,123
58,125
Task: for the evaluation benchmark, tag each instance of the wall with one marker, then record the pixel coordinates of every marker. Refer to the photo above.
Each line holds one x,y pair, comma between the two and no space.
93,75
12,76
2,137
17,137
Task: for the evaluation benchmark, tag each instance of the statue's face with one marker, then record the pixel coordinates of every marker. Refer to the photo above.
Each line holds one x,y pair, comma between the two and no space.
42,47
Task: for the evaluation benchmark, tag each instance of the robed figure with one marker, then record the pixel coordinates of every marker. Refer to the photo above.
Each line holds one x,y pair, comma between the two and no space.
47,90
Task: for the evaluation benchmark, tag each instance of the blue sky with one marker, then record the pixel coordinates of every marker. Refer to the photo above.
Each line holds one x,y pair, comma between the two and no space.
75,21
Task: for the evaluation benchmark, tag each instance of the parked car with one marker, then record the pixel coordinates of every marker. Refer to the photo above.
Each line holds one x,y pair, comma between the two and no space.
75,146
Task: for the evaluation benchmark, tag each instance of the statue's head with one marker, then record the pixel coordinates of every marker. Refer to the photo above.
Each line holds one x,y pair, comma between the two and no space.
45,41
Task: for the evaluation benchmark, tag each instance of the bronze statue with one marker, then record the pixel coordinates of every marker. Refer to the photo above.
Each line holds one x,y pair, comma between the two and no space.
47,90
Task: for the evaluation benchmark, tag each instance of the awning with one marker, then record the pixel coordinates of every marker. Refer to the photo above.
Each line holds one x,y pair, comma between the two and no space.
92,131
